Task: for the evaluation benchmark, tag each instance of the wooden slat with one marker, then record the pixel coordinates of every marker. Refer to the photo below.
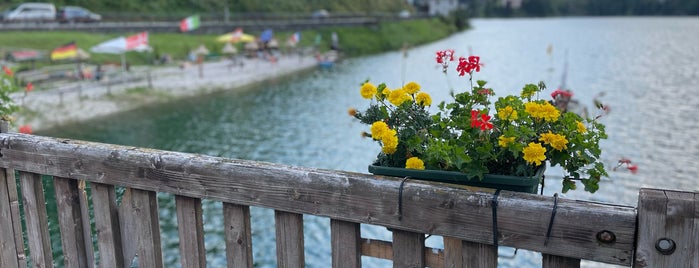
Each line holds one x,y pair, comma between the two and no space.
289,234
669,216
479,255
70,219
408,249
8,249
238,234
36,219
190,226
550,261
345,238
86,223
453,257
384,250
107,225
16,218
434,208
140,229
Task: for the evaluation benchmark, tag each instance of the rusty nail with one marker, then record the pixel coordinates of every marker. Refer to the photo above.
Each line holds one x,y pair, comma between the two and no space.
665,246
605,236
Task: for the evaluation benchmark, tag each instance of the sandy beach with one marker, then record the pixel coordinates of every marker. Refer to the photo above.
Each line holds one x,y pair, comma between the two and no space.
84,100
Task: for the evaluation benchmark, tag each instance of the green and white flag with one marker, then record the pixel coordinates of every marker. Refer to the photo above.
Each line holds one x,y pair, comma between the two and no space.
189,24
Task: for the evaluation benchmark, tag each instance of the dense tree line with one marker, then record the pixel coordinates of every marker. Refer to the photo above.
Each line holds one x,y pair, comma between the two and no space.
236,6
542,8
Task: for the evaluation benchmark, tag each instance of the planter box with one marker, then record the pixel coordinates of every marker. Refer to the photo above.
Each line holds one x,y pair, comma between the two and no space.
503,182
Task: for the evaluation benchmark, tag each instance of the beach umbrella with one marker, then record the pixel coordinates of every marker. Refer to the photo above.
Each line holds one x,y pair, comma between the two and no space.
121,45
201,50
235,37
228,48
266,35
251,46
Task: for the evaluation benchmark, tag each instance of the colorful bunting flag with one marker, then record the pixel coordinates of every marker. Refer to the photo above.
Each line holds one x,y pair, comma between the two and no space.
295,38
67,51
189,24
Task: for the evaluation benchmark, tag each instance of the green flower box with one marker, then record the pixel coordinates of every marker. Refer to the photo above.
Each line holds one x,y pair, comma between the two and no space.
503,182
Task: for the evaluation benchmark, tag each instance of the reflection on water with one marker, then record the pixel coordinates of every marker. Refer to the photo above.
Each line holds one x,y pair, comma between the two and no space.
646,67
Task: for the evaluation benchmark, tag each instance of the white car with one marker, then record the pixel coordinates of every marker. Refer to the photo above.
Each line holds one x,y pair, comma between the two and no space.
30,12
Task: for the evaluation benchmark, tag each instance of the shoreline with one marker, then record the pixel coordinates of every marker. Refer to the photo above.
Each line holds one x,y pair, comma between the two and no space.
86,100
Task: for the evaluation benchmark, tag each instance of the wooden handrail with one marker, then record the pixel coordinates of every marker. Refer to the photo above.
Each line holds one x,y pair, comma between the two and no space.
667,221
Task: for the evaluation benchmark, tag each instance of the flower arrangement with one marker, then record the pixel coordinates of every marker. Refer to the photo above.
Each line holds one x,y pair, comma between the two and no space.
7,105
7,86
514,135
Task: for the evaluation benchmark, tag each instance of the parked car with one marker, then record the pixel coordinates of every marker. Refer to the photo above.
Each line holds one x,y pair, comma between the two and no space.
77,14
30,12
320,14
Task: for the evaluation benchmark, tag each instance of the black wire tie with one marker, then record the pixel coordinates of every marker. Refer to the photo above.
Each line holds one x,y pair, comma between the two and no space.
553,215
495,217
400,198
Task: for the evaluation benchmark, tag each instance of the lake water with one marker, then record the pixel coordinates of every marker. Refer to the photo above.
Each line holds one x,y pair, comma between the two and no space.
647,69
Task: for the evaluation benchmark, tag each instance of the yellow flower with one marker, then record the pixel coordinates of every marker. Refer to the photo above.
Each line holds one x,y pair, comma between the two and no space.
378,129
581,127
558,142
507,113
534,153
368,90
398,97
414,163
390,141
423,99
504,141
544,111
411,88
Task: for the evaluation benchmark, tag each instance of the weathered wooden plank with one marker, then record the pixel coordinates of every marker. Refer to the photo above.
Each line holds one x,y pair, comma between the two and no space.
70,219
11,184
36,220
408,249
8,249
432,208
238,235
86,223
107,225
289,234
667,229
190,226
140,228
479,254
345,238
384,250
453,257
550,261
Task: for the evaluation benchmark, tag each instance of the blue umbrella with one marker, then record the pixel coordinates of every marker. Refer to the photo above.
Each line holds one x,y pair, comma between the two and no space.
266,35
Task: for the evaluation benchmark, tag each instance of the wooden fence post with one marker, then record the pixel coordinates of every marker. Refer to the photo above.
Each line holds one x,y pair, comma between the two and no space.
408,249
668,229
11,241
345,238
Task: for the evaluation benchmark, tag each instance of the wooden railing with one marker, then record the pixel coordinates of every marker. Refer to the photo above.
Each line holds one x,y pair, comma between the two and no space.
661,232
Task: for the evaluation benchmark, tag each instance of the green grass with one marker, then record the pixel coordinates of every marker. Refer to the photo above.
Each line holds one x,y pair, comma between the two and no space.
354,41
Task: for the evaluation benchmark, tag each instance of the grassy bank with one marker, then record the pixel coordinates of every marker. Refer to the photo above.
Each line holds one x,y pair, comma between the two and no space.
354,41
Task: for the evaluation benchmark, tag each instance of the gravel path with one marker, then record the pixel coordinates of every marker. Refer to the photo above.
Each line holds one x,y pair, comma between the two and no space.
85,100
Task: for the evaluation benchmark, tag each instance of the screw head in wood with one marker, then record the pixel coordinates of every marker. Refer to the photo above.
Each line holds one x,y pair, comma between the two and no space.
606,237
665,246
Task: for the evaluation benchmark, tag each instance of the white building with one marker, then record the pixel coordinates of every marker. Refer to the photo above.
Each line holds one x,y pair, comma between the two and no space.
441,7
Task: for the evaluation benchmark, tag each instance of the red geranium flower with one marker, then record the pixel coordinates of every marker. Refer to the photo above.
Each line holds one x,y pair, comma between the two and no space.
632,168
7,70
26,129
474,118
485,122
30,87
